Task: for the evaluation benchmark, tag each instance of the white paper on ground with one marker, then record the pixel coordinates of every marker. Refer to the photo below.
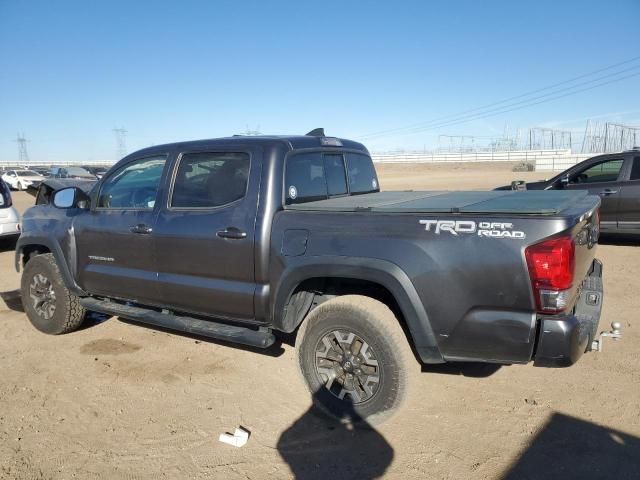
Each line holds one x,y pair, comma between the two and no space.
238,439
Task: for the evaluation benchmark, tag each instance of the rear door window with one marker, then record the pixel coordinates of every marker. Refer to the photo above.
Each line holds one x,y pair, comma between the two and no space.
635,169
210,179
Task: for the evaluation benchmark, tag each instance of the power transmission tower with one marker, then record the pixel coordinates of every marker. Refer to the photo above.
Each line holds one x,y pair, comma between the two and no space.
457,143
594,139
620,137
609,137
121,142
251,133
549,138
23,155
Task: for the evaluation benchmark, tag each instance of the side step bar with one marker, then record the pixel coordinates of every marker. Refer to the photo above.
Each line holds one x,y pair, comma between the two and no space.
230,333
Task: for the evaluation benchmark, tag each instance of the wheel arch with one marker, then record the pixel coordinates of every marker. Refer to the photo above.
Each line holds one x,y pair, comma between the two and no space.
392,286
29,246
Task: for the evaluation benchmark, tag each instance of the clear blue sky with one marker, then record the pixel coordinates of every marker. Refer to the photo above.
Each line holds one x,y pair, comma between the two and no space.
71,71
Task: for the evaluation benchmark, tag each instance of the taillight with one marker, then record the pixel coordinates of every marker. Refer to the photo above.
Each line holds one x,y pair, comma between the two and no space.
551,266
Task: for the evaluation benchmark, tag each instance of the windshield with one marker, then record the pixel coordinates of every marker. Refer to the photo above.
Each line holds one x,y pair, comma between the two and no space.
27,173
78,171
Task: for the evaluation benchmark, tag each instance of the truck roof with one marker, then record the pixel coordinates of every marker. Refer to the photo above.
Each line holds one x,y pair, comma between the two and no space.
293,142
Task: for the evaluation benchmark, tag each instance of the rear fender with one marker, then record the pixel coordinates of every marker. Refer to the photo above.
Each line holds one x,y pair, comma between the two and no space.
382,272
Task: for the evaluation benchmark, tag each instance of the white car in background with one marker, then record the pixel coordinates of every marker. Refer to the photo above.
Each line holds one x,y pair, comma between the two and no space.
9,217
21,179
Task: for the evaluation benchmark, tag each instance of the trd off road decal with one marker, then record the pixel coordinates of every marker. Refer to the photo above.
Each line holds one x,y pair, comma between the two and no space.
482,229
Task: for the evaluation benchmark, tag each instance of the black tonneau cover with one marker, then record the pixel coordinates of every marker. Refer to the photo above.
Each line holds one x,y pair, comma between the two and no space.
507,202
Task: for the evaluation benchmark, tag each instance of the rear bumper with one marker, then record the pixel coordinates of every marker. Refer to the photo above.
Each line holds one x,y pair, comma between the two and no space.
563,339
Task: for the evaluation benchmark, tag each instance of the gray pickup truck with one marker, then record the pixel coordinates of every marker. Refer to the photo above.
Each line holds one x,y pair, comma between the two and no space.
240,238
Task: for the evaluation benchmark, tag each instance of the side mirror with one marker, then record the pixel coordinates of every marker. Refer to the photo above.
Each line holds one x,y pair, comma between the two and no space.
564,180
71,197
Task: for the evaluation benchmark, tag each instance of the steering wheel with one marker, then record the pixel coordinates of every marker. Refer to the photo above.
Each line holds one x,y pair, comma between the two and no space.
141,197
581,178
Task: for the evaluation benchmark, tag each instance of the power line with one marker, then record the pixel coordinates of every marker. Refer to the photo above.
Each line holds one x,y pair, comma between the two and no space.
500,102
554,92
492,113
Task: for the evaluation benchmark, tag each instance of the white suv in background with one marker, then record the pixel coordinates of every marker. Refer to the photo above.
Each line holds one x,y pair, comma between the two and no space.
9,217
21,179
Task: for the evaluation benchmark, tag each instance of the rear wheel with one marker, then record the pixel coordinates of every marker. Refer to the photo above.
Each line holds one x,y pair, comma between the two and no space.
355,359
49,305
19,186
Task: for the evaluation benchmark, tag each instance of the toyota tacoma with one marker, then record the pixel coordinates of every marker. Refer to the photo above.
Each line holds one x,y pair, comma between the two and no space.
242,238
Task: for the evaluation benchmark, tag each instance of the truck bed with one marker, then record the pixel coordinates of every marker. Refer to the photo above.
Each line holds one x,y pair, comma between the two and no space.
492,202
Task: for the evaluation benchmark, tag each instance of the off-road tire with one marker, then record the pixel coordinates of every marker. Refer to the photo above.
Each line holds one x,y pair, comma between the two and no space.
68,314
374,323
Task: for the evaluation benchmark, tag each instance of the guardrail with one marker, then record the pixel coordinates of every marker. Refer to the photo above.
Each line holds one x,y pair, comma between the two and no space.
9,164
544,160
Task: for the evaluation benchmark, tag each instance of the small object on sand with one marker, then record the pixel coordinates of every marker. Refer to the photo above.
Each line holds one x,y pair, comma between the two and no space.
238,439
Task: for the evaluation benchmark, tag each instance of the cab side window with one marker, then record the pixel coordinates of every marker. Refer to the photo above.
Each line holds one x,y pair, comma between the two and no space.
635,169
210,179
133,186
607,171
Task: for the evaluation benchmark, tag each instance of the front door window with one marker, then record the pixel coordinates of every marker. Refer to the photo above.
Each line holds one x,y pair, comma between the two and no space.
134,186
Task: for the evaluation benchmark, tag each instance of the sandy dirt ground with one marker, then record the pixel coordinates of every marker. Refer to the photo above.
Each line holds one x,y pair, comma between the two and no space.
115,400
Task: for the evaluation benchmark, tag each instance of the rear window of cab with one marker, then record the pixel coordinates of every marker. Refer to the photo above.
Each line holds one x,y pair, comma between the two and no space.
312,176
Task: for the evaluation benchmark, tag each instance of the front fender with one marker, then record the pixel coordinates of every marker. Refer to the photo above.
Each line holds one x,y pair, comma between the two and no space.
384,273
26,241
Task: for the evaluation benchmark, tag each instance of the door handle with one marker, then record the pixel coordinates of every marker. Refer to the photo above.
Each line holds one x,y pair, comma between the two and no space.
141,228
232,233
607,192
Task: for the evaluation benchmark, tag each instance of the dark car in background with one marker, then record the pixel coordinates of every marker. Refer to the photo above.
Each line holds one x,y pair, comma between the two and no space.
44,171
615,177
97,171
72,172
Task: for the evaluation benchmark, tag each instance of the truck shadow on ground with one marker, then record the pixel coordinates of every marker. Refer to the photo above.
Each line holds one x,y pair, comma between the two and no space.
465,369
316,447
13,300
274,350
7,244
567,447
621,240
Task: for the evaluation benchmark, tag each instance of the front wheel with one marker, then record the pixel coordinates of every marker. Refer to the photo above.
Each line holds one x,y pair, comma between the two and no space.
19,187
49,305
355,359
